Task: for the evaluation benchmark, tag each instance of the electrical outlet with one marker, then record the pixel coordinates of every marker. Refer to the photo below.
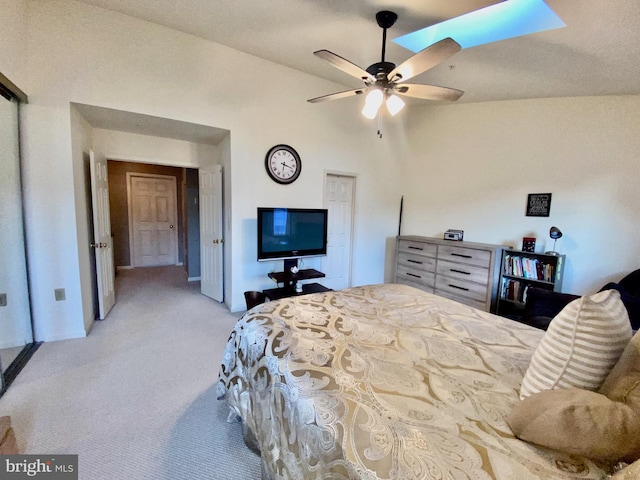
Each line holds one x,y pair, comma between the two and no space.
3,299
59,293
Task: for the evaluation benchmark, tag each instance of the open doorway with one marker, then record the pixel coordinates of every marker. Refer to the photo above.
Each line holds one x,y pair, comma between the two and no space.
157,146
132,246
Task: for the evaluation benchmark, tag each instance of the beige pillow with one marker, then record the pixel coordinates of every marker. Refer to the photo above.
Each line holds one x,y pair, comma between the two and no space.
581,346
578,422
623,383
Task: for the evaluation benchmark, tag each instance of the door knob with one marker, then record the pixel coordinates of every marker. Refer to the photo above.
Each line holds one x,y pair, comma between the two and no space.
215,242
94,245
103,245
170,226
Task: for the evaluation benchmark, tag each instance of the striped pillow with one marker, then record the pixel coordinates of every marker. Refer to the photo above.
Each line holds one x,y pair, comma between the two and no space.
581,346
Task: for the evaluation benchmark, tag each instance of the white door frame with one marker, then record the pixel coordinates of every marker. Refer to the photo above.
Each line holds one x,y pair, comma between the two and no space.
129,176
354,176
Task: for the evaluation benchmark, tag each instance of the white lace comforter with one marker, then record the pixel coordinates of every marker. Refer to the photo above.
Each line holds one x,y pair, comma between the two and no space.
385,382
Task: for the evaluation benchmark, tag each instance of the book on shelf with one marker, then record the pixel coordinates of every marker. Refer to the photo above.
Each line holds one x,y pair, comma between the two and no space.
514,290
529,268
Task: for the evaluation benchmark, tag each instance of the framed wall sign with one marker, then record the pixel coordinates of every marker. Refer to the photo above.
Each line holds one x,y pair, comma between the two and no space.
538,204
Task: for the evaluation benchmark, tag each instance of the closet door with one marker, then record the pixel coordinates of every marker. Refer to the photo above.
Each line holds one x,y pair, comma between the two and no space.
15,313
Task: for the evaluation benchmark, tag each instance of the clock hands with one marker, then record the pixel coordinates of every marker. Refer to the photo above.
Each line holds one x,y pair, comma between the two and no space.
283,164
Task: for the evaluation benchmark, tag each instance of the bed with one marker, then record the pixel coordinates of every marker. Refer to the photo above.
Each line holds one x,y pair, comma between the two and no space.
384,382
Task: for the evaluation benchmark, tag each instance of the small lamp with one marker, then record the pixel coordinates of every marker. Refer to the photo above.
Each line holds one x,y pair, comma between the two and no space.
555,233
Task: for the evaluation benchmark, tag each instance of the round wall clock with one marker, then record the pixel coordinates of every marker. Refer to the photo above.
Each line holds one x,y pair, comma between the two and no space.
283,164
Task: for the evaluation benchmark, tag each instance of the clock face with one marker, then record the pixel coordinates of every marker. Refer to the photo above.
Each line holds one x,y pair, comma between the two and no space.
283,164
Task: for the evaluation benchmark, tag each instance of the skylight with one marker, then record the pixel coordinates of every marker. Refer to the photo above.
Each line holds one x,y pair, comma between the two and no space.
512,18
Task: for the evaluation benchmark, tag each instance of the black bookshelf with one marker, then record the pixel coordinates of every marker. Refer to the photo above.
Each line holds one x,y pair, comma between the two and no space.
520,271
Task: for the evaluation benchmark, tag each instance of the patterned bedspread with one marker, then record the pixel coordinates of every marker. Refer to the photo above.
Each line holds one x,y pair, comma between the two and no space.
385,382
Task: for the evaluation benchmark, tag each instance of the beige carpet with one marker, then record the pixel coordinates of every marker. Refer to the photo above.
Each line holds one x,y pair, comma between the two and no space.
136,399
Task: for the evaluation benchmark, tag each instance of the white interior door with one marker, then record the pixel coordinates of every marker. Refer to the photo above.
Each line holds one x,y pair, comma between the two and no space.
211,241
102,233
339,195
153,220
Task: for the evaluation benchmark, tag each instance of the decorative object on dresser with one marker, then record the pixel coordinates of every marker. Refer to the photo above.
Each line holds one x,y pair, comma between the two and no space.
457,235
521,271
465,271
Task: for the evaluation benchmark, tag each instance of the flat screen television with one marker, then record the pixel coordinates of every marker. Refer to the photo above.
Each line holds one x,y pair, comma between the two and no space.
285,233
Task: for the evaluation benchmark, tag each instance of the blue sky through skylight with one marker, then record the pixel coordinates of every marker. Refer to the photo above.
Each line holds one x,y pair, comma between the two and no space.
508,19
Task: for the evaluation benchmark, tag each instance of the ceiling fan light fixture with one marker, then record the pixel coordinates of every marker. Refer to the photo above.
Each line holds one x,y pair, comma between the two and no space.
394,104
372,103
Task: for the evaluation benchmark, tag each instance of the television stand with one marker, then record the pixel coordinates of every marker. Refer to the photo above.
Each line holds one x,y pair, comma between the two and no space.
289,281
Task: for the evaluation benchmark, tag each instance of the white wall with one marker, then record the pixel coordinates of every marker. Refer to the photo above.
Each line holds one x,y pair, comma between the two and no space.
13,38
82,54
477,163
132,147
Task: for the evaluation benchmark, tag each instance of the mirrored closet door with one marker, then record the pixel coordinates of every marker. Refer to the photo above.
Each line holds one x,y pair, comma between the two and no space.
16,333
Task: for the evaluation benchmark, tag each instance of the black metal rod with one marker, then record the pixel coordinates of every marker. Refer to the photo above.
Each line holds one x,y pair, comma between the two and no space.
384,42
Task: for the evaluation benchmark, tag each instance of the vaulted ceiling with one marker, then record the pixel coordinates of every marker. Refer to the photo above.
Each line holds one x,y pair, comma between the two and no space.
597,53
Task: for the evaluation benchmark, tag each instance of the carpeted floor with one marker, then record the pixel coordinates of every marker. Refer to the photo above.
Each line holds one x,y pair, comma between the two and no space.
136,399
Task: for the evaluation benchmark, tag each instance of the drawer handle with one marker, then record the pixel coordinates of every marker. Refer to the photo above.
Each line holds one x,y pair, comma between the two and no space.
461,255
459,288
414,261
460,271
415,248
413,275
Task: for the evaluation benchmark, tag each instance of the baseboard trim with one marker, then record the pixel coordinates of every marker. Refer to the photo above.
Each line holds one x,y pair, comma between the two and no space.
193,279
124,267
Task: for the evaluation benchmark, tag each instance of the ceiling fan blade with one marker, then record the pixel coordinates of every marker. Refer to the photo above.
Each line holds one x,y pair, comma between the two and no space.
336,96
428,92
424,60
343,64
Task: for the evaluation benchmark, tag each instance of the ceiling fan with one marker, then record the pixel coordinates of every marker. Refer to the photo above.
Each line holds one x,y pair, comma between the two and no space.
383,81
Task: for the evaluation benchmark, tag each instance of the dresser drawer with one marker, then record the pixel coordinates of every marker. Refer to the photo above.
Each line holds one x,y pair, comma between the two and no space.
414,276
461,288
468,256
466,300
417,248
416,262
466,273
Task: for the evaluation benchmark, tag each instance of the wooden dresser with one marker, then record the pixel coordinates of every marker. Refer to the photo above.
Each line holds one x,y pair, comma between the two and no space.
463,271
